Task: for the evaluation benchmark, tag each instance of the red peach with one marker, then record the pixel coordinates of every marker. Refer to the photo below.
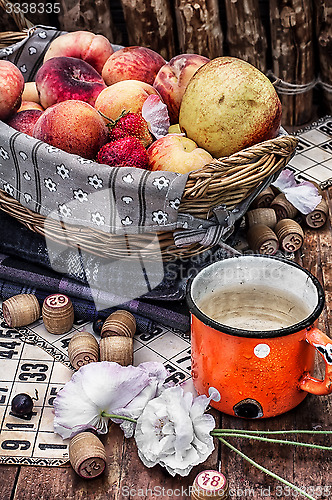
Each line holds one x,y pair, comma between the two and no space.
24,121
74,126
132,63
63,78
173,78
11,88
128,95
94,49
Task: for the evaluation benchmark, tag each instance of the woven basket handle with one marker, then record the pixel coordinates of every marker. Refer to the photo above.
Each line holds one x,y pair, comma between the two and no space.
20,20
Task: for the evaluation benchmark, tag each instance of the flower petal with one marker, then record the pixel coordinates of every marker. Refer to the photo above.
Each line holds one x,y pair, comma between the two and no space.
155,112
303,195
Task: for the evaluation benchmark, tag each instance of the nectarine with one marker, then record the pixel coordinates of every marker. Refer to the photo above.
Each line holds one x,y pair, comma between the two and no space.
94,49
11,88
74,126
24,121
128,95
63,78
172,80
132,63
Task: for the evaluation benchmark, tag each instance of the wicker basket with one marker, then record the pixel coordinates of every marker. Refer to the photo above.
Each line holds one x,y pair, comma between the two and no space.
226,181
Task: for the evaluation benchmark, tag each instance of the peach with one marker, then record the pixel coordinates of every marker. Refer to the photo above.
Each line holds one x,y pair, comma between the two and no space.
177,154
128,95
11,88
24,121
30,92
63,78
74,126
132,63
30,105
172,79
94,49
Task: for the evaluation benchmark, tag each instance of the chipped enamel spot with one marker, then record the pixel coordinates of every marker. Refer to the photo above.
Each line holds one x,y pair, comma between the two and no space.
262,350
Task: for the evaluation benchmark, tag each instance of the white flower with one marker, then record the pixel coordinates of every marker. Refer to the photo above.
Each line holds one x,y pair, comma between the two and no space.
4,154
160,217
157,374
8,189
175,204
96,388
50,185
52,149
7,51
161,182
63,171
83,161
303,195
126,221
95,181
174,431
97,218
64,211
80,195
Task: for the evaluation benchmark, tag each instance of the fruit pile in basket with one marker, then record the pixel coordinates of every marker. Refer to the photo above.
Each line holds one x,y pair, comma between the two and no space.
132,108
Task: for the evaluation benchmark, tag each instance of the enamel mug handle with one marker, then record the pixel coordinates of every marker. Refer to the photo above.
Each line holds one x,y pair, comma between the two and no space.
323,344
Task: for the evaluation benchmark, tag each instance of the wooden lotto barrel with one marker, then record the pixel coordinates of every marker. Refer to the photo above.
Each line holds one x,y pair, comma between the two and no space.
290,235
283,208
58,313
318,216
83,348
87,455
119,323
263,199
210,484
21,310
266,216
117,349
262,239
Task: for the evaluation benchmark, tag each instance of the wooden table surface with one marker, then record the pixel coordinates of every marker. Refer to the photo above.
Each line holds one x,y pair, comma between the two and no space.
126,477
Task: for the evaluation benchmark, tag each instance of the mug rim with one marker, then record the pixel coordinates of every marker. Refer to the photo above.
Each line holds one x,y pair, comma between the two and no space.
258,334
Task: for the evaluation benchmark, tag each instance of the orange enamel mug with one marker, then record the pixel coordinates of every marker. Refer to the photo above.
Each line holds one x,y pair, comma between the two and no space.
253,335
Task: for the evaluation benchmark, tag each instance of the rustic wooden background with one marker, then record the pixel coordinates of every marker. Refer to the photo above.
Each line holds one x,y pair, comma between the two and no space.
291,40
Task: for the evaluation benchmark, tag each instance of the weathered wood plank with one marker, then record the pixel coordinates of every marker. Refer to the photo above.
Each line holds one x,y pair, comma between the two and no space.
199,27
293,57
150,24
7,480
323,11
88,15
245,32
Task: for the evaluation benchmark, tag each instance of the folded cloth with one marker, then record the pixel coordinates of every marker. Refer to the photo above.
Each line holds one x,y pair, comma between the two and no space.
84,310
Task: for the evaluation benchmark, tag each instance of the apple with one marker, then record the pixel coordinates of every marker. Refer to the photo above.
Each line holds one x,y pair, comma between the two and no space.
74,126
63,78
24,121
132,63
128,95
229,105
94,49
176,153
11,88
172,80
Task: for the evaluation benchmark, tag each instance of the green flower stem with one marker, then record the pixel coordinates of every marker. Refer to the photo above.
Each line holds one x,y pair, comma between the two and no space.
267,471
121,417
269,440
293,431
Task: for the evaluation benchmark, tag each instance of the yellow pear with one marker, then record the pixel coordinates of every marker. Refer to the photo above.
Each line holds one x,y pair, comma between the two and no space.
229,105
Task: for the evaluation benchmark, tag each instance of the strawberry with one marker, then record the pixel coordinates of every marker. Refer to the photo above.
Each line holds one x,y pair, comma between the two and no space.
124,152
131,124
